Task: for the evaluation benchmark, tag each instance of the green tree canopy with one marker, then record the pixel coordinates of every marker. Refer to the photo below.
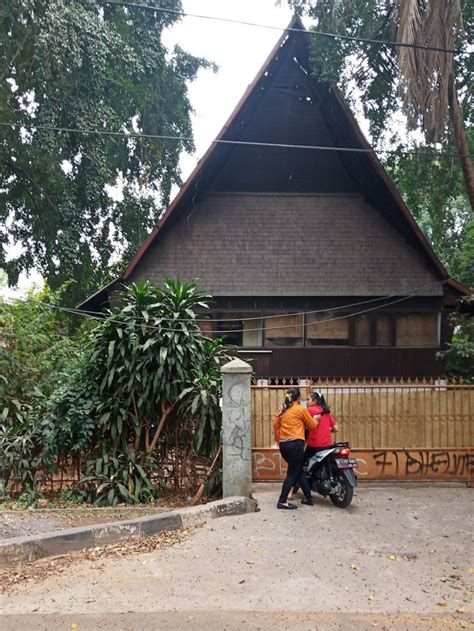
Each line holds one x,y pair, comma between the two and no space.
86,65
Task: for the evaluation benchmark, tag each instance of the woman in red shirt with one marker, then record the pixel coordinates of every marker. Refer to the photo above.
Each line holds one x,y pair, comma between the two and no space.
321,436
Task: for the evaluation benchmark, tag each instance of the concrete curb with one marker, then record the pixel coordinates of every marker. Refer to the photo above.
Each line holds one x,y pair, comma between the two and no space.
34,547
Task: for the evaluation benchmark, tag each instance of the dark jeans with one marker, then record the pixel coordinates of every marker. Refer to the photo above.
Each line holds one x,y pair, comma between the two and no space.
308,453
292,452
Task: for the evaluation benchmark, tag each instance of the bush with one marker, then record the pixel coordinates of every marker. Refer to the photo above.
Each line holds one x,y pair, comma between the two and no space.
145,372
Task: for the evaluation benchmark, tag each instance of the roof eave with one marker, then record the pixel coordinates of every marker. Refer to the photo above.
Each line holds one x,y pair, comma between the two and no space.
462,289
99,297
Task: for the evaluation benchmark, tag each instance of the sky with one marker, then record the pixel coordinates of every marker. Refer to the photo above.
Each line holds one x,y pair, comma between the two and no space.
239,52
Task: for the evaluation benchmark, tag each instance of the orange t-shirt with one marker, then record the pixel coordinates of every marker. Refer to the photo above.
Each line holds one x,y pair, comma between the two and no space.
291,424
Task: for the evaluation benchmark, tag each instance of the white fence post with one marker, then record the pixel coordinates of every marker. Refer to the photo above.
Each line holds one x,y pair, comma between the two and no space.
236,429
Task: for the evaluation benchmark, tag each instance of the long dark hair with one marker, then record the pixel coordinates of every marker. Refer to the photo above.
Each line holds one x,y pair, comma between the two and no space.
292,395
318,398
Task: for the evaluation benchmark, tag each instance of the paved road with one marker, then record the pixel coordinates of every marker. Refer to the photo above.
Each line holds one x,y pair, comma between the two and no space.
396,559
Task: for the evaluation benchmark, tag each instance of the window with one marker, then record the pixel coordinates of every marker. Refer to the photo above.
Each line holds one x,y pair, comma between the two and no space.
362,330
231,331
206,327
283,331
383,330
252,334
326,328
237,330
418,329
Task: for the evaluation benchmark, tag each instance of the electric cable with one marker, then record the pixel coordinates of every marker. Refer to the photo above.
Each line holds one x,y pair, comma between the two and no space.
367,40
183,329
280,315
276,145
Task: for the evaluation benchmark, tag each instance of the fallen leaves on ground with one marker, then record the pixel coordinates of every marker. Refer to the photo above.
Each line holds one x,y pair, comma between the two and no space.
405,556
401,556
42,569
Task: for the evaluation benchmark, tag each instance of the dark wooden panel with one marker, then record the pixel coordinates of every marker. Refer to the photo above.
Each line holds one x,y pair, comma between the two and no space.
347,362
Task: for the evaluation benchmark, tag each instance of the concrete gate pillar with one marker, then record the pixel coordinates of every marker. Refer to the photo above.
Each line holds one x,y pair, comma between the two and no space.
236,429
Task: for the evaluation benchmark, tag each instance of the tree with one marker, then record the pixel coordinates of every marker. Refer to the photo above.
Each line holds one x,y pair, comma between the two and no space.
427,78
369,76
86,65
433,189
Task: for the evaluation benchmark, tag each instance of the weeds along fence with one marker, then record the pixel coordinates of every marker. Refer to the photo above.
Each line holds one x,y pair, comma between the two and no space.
178,467
372,415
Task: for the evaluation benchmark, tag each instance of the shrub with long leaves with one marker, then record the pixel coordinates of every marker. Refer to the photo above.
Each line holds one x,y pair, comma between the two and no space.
148,367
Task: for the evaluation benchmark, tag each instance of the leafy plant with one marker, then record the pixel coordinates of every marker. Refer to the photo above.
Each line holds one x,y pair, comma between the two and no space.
201,401
460,352
144,371
21,456
120,478
36,354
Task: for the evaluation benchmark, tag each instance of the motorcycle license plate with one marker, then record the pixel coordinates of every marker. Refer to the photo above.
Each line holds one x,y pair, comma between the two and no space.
346,463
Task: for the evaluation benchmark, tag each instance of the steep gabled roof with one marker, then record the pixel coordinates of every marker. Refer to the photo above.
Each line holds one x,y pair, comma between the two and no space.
365,168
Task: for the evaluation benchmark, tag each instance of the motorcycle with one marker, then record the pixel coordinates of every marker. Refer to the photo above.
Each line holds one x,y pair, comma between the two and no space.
330,473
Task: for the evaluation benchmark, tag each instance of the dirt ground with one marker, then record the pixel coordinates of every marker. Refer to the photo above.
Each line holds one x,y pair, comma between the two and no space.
396,559
19,523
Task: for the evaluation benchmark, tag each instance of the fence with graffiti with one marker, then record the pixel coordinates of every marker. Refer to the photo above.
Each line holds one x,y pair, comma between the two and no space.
409,431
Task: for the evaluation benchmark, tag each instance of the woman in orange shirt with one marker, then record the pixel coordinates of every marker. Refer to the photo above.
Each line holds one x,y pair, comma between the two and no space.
289,427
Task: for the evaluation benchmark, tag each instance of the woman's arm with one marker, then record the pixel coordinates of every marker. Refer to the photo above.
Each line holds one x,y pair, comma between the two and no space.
309,421
277,427
334,427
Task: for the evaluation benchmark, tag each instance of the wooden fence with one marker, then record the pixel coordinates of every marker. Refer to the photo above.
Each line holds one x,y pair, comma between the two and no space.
396,430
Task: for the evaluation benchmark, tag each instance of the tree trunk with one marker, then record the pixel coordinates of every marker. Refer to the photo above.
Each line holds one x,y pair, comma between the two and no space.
460,137
165,412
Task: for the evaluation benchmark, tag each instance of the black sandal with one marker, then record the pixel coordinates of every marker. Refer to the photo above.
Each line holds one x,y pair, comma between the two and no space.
308,501
286,506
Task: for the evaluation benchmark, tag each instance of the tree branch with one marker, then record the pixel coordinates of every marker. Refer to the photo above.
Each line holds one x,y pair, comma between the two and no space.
14,57
166,410
16,167
460,138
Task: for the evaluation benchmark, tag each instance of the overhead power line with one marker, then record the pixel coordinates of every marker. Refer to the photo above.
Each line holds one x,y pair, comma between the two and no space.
366,40
281,315
221,141
165,329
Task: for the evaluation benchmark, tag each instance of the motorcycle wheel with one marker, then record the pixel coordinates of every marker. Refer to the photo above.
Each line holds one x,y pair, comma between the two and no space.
344,498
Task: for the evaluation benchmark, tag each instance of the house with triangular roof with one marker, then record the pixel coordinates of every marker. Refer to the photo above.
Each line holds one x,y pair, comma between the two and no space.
289,220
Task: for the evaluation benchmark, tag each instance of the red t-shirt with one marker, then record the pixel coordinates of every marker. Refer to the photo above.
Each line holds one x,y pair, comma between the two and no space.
320,437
